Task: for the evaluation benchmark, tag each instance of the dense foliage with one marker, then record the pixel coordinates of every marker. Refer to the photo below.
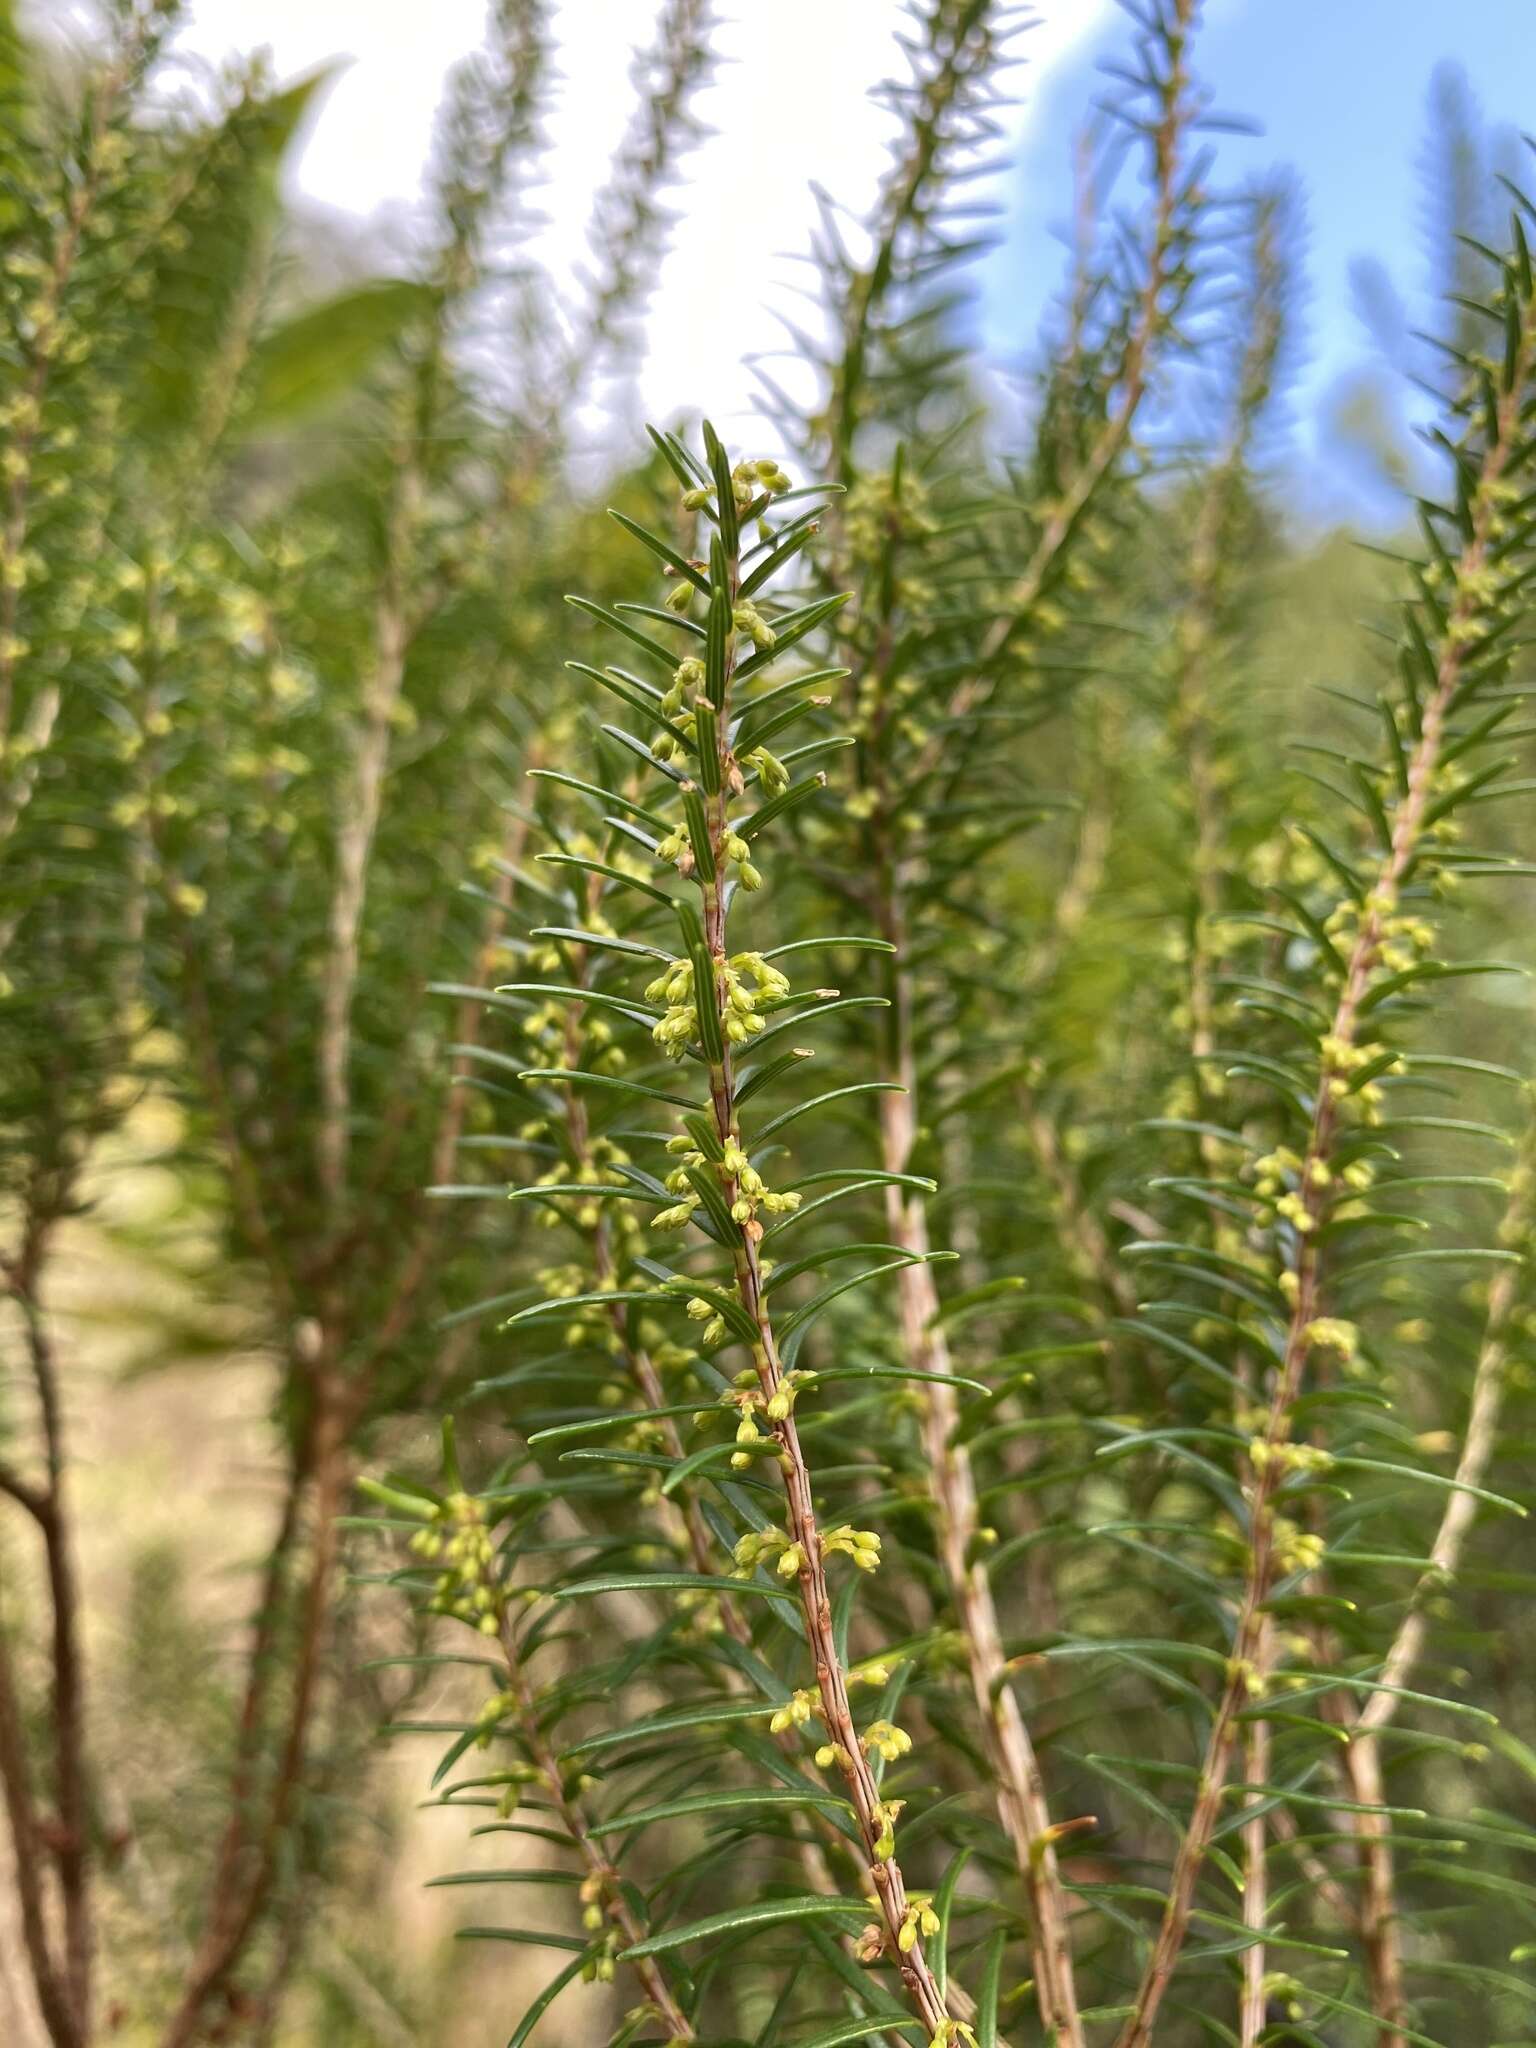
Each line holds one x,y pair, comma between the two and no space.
883,1173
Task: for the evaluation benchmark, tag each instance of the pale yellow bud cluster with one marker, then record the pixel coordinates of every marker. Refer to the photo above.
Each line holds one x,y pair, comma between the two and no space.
746,618
795,1712
1270,1170
589,1327
1294,1210
952,2033
701,1311
758,1545
600,1966
682,694
586,1213
862,1545
490,1717
739,854
884,1738
457,1539
675,849
1340,1056
1333,1334
878,511
1242,1671
745,999
1262,1454
749,482
769,769
919,1919
1296,1549
512,1779
881,696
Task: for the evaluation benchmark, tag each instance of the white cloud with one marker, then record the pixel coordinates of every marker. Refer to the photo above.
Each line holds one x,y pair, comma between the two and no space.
789,104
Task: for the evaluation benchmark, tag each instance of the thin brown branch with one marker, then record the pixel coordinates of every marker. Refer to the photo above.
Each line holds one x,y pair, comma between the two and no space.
1019,1787
875,1825
469,1019
247,1860
72,1847
48,1976
26,1495
1196,644
249,1197
48,1503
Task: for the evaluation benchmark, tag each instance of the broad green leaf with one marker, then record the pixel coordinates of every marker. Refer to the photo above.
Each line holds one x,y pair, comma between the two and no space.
320,354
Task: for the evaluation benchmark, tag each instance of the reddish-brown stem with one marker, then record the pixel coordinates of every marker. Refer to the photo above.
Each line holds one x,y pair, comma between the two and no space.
689,1519
247,1862
47,1502
48,1980
1020,1791
884,1870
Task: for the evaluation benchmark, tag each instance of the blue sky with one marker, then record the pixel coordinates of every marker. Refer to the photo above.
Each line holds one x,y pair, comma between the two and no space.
1340,89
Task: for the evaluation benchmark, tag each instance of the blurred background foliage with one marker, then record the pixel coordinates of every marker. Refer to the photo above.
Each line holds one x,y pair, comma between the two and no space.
284,545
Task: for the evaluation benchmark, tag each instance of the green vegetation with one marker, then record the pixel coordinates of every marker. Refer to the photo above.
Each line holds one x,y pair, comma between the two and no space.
869,1122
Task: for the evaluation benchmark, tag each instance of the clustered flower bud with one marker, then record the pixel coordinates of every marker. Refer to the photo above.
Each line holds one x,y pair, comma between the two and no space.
742,1001
862,1545
1331,1333
770,770
919,1919
1287,1457
746,618
887,1740
456,1537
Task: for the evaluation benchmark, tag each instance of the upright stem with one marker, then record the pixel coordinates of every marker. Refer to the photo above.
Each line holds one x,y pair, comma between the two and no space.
1149,322
1018,1785
48,1981
689,1520
1020,1792
248,1859
1362,1759
884,1870
70,1834
1314,1180
1256,1748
